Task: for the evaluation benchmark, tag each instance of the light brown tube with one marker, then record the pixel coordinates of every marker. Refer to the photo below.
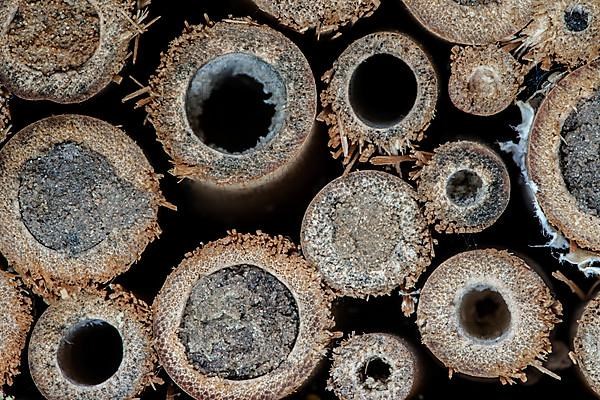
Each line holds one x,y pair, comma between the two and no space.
93,345
243,317
79,203
65,59
234,106
487,314
375,366
465,187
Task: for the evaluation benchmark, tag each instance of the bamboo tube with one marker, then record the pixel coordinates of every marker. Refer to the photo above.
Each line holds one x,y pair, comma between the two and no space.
366,234
565,32
484,80
375,366
357,108
562,161
14,326
64,51
465,187
472,22
324,17
487,314
79,203
94,345
234,105
585,344
242,317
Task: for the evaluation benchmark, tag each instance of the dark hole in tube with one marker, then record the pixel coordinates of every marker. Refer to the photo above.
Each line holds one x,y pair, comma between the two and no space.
484,314
383,90
90,352
376,369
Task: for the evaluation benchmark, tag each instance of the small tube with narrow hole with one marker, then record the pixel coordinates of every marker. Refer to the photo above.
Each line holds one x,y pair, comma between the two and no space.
375,366
234,106
562,163
243,317
95,345
63,51
487,314
357,108
323,17
484,80
366,234
465,187
472,22
14,326
79,203
563,32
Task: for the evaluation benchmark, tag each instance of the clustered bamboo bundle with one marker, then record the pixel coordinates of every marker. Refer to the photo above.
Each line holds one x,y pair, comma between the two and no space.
235,106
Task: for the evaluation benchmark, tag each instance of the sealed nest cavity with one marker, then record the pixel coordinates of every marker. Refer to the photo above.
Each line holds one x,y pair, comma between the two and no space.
465,187
366,234
487,314
562,155
324,16
375,366
14,326
95,345
381,97
79,203
233,104
586,343
472,22
61,50
565,32
484,80
243,317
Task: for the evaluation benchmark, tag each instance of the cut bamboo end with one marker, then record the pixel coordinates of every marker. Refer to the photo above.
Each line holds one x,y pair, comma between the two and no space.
93,345
465,187
14,327
585,344
472,22
366,234
487,314
234,105
324,17
562,158
565,32
62,51
484,80
375,366
4,113
79,203
370,72
276,327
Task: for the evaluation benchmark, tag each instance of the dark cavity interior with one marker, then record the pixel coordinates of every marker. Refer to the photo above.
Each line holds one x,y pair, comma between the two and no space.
383,90
235,103
463,187
484,314
577,18
239,323
376,370
90,352
580,154
71,199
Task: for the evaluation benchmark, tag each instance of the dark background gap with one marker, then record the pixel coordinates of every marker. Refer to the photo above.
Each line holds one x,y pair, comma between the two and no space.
184,230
